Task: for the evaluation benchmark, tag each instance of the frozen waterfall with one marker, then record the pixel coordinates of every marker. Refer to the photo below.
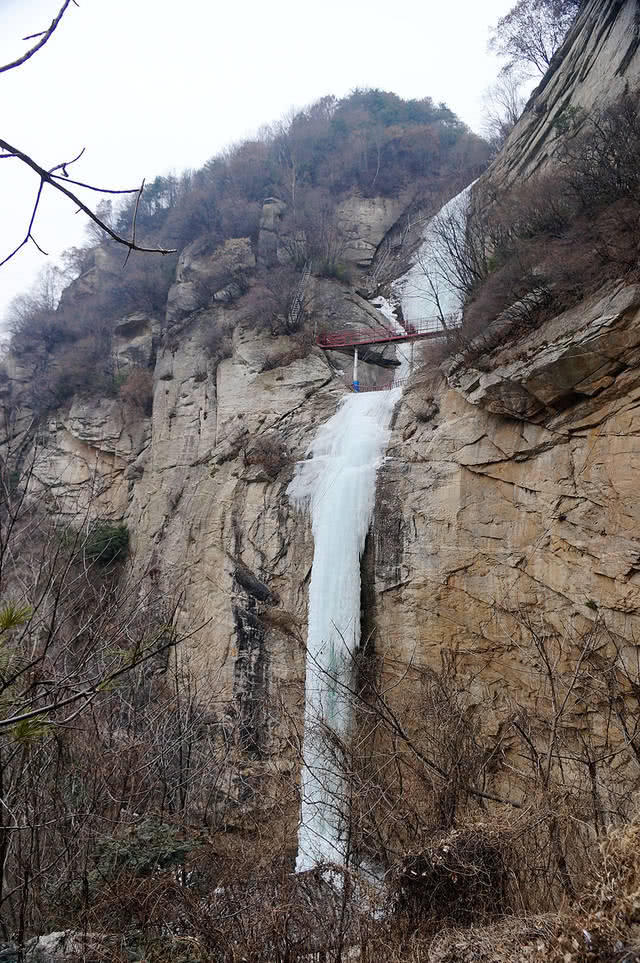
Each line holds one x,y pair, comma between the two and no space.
336,484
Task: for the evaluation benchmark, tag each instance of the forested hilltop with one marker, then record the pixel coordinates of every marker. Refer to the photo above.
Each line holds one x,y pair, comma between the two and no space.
371,144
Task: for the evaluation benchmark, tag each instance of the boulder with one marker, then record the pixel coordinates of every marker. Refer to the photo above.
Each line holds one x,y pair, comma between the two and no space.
183,299
362,222
205,274
65,946
272,211
133,341
573,358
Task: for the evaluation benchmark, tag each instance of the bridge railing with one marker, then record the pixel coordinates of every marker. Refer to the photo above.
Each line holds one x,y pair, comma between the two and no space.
410,329
386,387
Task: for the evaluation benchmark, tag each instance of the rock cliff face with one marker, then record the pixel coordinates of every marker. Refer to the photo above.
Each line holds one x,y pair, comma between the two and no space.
201,479
509,498
510,494
597,61
510,486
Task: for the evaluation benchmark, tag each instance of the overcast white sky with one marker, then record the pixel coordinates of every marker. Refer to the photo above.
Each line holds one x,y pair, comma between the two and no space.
153,86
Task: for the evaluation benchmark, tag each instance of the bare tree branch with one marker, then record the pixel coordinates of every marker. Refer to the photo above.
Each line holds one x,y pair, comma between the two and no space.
44,36
531,32
59,172
87,693
48,177
135,218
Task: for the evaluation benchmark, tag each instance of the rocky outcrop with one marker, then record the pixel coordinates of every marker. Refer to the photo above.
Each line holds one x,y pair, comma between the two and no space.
201,485
269,246
81,458
510,495
568,363
205,275
362,223
133,341
211,521
598,61
66,945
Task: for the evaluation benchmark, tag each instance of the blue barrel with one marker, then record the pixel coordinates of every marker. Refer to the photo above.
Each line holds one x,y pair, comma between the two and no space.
356,386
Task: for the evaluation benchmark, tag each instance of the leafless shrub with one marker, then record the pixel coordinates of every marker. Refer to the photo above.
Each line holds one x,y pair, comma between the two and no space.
269,451
503,105
80,649
298,347
311,234
599,163
80,366
273,299
461,876
607,926
519,287
458,256
466,816
239,217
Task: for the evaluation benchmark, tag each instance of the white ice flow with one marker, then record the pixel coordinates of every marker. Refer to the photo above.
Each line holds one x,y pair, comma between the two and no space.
337,483
430,288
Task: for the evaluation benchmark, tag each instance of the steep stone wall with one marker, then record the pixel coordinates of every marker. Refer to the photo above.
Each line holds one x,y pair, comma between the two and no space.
510,500
599,59
201,482
509,496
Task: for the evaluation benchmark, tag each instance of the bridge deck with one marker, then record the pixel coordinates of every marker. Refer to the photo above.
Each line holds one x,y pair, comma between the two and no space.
413,331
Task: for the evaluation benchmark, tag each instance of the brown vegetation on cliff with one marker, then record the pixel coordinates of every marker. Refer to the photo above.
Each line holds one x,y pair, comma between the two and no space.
538,248
371,143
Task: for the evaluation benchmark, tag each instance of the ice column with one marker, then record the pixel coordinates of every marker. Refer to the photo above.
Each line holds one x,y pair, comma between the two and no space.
337,483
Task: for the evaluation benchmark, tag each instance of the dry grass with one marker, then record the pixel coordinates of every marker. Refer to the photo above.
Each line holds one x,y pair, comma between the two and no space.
462,876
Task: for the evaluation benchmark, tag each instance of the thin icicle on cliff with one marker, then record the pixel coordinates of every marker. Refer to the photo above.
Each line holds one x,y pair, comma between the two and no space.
337,485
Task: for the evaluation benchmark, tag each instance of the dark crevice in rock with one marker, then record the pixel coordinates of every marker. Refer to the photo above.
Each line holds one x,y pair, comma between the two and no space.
250,680
368,619
570,400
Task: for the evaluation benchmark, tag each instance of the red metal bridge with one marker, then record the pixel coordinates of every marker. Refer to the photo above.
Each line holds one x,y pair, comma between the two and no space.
355,337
